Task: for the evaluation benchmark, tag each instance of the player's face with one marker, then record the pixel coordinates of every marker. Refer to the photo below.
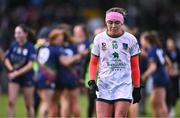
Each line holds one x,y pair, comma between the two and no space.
59,40
20,35
78,31
144,43
170,44
113,27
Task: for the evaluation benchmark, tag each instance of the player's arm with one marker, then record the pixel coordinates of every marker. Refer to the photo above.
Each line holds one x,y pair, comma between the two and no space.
168,63
2,56
21,71
7,61
25,68
136,78
135,71
151,69
67,60
8,64
93,67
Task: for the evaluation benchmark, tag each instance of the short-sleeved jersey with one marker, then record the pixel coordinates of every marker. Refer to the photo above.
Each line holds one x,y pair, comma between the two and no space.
156,55
114,62
48,58
19,56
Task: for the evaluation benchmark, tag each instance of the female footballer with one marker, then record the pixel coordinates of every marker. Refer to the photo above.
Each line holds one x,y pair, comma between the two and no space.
117,53
18,62
156,68
48,58
66,82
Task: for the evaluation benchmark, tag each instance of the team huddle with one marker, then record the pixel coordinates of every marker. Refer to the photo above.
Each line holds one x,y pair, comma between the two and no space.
50,69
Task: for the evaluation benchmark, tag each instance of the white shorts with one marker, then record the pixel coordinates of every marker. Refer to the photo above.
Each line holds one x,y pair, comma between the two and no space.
108,92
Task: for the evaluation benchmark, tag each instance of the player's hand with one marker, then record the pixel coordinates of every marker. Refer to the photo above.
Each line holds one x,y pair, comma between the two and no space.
13,75
136,95
93,88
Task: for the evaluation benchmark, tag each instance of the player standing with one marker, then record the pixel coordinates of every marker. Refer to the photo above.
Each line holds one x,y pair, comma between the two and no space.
116,52
156,68
19,63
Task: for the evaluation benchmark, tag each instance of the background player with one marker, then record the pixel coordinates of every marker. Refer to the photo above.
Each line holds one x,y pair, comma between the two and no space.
174,55
156,69
19,62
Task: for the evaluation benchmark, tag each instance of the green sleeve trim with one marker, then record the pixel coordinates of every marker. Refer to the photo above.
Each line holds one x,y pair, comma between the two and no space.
136,54
94,54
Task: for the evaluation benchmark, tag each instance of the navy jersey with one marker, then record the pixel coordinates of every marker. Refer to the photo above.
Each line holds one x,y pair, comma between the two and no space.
80,67
48,58
19,56
160,76
84,45
67,75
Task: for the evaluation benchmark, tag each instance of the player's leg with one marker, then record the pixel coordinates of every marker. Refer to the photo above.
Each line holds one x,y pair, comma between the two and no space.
158,102
133,110
54,106
121,108
13,89
65,103
103,109
75,105
28,92
46,96
36,102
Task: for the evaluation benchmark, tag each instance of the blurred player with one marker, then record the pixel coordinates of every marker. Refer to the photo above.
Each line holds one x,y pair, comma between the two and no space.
174,55
42,39
71,85
156,69
19,62
82,42
66,81
117,53
48,57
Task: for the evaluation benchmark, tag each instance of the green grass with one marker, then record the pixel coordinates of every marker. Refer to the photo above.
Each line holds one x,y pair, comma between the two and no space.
21,112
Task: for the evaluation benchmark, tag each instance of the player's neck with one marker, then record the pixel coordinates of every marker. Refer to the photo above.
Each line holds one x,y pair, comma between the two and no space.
115,35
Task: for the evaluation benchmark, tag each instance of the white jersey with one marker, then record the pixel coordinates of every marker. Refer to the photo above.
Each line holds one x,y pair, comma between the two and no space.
114,54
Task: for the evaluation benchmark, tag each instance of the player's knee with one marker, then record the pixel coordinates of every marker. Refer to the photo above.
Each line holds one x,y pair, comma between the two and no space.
11,103
121,113
29,107
154,102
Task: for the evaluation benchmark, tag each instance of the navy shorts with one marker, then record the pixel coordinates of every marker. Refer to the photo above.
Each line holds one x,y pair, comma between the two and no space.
45,85
23,81
65,83
113,101
157,82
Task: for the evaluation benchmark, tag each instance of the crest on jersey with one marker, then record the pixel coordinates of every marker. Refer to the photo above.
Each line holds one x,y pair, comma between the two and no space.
103,46
25,52
125,46
114,44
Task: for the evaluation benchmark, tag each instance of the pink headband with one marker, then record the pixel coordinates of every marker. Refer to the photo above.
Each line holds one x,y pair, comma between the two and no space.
115,16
